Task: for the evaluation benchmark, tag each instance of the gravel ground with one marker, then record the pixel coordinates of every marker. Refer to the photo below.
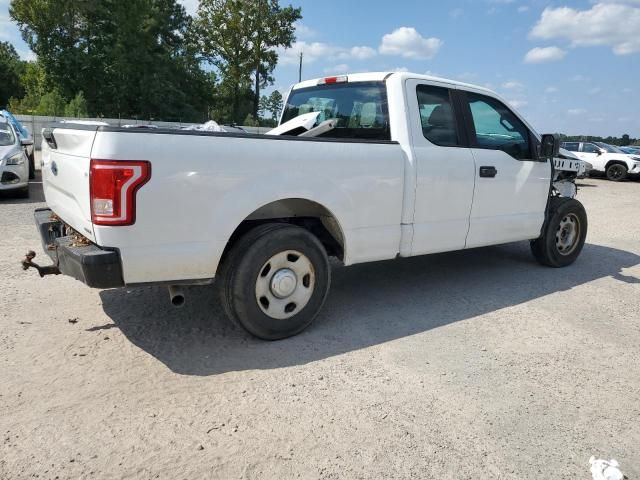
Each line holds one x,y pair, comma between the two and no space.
469,365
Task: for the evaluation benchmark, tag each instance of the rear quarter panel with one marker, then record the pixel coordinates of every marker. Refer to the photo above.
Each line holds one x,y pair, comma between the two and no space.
202,187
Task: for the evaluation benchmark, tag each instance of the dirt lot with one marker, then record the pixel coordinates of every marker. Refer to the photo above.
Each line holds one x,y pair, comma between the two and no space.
469,365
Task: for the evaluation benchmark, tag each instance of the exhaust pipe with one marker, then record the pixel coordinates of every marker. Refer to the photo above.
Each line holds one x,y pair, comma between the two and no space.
176,295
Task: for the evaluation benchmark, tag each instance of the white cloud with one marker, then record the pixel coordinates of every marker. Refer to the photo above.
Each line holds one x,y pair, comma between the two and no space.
314,51
595,91
551,90
576,111
400,69
605,24
523,8
512,85
407,42
341,68
191,6
304,32
362,53
543,55
518,103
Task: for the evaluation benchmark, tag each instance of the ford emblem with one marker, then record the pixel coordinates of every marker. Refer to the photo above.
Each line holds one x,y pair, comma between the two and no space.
54,168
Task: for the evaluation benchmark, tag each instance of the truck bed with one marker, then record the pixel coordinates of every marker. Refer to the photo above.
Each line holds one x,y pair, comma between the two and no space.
204,183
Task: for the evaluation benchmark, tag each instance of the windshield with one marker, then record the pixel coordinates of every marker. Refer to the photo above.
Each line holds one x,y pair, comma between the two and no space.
360,108
608,148
6,135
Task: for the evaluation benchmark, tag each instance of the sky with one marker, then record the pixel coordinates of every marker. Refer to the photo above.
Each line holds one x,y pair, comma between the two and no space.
568,66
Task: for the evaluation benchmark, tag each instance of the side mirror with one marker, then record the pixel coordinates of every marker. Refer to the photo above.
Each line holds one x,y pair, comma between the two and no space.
600,152
549,147
25,142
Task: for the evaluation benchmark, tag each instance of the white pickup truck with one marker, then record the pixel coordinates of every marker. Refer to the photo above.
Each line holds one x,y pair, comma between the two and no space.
408,165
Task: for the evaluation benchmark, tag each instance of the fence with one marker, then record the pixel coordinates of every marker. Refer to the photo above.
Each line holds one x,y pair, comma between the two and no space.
36,123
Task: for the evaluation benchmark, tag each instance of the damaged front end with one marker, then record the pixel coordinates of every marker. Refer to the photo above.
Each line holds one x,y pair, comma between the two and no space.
567,169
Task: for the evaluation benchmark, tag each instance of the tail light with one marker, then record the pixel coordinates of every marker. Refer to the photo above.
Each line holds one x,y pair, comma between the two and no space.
113,185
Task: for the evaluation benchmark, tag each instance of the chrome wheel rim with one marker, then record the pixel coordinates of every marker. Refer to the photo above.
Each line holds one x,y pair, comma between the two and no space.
285,284
568,234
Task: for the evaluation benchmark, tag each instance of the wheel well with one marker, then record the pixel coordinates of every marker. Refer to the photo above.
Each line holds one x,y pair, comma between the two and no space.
295,211
615,162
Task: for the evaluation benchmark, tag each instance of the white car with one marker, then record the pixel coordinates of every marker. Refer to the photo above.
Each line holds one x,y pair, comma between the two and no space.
14,161
384,165
607,159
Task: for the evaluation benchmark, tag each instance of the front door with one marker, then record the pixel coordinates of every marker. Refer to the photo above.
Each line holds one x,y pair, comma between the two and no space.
511,185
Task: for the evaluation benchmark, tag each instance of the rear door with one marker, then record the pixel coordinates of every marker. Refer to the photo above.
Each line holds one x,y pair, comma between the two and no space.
66,159
444,166
511,185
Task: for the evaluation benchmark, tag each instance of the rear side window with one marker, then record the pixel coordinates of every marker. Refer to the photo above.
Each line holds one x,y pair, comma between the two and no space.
498,128
360,108
572,146
437,116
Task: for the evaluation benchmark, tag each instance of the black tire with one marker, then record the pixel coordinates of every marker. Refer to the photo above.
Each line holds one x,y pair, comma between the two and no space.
23,192
553,248
245,264
616,172
32,166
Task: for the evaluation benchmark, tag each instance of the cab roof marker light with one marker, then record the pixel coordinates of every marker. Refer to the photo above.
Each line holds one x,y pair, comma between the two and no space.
333,80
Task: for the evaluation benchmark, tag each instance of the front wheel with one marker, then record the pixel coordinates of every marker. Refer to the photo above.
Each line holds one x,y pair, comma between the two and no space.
275,280
616,172
564,233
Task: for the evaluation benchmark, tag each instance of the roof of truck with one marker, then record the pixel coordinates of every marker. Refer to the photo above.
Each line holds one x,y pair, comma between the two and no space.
380,76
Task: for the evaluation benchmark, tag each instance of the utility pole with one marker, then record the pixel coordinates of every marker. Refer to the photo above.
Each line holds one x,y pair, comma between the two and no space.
300,69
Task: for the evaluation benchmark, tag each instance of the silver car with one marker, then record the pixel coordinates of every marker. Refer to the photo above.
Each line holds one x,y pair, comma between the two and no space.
14,163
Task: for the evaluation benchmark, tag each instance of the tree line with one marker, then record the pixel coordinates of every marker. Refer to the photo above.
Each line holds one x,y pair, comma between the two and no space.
147,59
623,141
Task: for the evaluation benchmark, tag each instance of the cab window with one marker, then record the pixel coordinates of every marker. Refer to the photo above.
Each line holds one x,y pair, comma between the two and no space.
437,116
498,128
360,108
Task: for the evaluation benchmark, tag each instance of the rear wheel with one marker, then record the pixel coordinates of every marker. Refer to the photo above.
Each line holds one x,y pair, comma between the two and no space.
275,280
616,172
564,233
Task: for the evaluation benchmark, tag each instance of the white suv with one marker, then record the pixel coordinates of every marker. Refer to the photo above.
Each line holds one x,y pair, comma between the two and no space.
607,159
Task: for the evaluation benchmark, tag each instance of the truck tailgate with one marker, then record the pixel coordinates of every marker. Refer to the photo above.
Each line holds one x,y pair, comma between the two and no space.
66,159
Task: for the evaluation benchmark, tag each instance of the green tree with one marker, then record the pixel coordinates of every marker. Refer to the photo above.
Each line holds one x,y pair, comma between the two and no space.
625,140
239,37
275,104
77,107
271,26
250,121
51,104
133,58
10,70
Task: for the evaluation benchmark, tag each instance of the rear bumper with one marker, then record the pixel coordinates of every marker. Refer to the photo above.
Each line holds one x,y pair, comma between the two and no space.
92,265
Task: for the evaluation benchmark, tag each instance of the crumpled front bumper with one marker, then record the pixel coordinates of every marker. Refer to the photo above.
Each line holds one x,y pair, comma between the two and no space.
92,265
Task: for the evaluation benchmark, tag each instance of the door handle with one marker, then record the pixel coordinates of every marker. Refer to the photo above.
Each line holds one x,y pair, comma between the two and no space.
488,172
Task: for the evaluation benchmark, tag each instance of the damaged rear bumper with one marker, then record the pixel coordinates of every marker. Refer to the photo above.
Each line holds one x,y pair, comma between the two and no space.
92,265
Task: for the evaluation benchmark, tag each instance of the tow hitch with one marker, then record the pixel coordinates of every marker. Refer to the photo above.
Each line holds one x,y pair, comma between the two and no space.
29,263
